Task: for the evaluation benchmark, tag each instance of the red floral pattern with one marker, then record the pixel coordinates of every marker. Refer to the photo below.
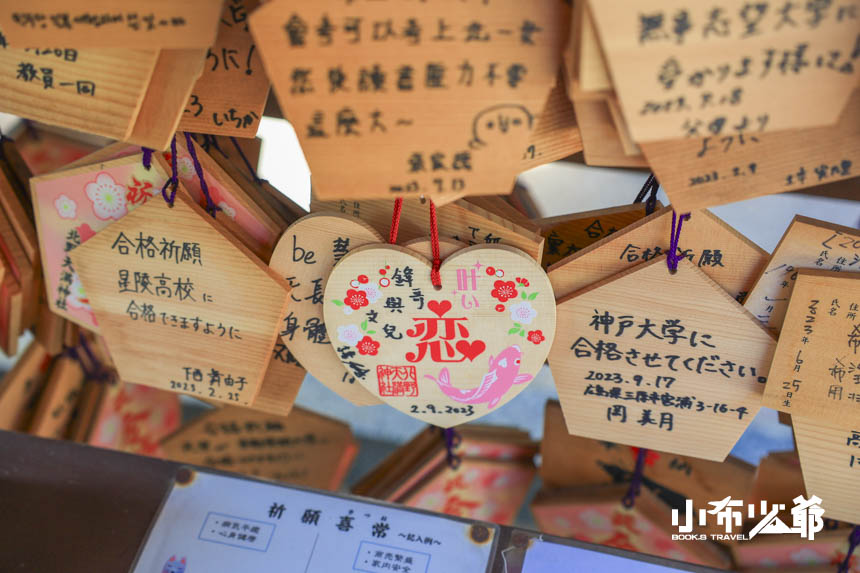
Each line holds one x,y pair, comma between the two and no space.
367,345
355,299
535,336
504,291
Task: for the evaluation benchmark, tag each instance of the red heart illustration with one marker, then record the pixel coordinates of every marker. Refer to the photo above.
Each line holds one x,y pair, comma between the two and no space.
439,307
470,350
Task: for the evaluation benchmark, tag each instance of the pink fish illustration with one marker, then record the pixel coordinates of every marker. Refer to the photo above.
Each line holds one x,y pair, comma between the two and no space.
504,373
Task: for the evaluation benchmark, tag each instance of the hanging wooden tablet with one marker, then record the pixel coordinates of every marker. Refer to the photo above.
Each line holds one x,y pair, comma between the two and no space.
591,71
47,150
442,98
601,140
229,97
687,69
501,206
830,462
58,400
726,256
208,327
72,206
424,247
99,24
281,383
663,361
93,91
304,256
709,171
556,134
460,220
448,355
134,418
21,385
595,514
807,243
19,291
257,228
567,234
568,460
303,449
816,368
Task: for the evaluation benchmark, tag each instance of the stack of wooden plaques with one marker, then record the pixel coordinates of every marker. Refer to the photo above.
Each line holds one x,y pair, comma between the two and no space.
488,479
304,448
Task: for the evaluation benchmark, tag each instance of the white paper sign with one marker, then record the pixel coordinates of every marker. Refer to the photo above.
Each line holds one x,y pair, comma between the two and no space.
217,524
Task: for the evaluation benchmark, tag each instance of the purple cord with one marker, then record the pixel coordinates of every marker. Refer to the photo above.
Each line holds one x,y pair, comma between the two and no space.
210,205
635,488
853,542
672,257
650,189
93,369
174,178
251,170
452,441
147,157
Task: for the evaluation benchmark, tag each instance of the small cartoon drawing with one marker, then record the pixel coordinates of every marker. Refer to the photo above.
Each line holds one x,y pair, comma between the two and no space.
503,373
174,566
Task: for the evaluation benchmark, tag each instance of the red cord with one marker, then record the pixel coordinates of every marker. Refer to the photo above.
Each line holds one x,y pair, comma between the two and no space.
435,277
395,220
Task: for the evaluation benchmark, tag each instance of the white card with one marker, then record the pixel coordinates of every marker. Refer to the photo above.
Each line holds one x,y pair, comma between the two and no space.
217,524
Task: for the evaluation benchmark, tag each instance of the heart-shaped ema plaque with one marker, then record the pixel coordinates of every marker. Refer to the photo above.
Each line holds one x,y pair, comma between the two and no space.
444,356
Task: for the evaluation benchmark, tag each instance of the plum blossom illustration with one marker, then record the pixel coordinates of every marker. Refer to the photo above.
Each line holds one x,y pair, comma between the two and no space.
523,312
227,209
349,334
66,207
185,167
371,291
368,346
108,197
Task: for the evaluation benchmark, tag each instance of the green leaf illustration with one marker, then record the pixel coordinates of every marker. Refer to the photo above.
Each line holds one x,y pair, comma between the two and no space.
337,302
513,330
522,333
371,332
533,296
523,295
364,325
518,325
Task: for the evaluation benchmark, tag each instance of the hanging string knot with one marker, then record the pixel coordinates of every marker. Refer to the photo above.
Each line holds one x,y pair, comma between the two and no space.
673,257
649,190
853,543
147,157
173,180
92,367
211,208
452,442
635,488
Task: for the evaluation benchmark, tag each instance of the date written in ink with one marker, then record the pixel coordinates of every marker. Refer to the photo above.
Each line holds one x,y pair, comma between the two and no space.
638,379
467,410
736,171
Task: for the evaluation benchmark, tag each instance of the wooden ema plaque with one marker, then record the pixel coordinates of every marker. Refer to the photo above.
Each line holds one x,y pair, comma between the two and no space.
726,256
443,356
304,256
459,220
556,134
830,462
57,402
229,97
816,368
437,99
567,234
182,305
668,362
303,449
688,69
99,24
708,171
122,93
807,243
21,385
